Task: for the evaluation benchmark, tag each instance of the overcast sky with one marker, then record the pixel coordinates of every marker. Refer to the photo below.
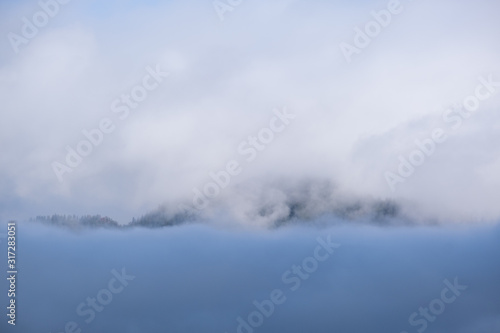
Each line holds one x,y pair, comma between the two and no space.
254,112
352,119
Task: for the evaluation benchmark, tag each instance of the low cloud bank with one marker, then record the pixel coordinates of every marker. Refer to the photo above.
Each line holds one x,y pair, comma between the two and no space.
196,278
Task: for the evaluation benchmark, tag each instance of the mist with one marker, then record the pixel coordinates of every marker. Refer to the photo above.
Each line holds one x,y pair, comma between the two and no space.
225,80
250,166
201,278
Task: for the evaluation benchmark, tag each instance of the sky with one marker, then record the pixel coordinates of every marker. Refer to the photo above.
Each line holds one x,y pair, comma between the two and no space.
225,78
228,69
279,123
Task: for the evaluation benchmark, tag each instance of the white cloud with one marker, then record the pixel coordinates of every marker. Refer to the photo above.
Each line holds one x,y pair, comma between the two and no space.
226,78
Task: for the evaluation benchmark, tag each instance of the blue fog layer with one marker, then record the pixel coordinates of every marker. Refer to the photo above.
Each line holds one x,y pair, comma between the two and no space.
199,279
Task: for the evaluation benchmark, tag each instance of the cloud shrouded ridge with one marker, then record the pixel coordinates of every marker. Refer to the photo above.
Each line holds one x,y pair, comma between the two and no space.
266,205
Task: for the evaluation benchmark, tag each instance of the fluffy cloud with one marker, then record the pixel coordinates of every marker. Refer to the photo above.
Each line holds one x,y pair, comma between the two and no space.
226,78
